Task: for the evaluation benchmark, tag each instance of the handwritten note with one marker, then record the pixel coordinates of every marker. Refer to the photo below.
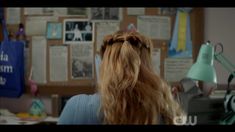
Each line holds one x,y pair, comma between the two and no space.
156,27
176,68
58,56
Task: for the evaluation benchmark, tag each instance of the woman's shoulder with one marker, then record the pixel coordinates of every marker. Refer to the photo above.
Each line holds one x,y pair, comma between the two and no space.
78,97
84,99
81,109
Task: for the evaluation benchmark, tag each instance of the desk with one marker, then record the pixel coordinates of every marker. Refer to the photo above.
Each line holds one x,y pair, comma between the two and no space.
49,121
208,110
13,120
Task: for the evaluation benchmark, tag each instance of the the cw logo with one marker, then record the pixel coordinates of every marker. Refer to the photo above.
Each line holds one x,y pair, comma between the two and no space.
183,120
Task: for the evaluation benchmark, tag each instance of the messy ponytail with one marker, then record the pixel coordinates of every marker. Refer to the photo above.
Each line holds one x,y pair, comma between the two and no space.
131,93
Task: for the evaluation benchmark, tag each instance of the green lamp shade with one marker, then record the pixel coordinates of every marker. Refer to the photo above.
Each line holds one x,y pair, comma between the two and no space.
203,69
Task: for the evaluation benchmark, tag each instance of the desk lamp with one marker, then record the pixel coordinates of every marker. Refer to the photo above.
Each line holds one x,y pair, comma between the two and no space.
203,70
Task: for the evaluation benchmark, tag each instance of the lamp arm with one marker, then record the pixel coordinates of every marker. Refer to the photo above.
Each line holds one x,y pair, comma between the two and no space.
229,100
225,63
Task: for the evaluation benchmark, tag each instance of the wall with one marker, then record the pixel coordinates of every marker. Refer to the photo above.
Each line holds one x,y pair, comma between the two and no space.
23,103
219,27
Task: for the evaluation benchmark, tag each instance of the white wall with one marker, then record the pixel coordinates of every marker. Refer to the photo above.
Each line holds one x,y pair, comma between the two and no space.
220,27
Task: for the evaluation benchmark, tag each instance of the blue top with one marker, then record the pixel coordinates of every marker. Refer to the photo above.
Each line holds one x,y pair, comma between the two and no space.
83,109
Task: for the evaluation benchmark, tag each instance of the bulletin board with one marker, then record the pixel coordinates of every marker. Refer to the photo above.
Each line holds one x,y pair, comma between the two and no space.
87,86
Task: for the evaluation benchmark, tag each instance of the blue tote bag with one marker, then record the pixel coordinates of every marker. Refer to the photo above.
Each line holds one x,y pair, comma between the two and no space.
11,66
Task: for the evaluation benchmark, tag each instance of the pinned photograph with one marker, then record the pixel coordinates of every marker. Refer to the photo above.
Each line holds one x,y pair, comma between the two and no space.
54,30
82,61
113,14
78,31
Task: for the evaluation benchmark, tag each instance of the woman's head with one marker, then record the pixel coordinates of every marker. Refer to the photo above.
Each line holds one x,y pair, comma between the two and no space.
76,26
131,93
124,52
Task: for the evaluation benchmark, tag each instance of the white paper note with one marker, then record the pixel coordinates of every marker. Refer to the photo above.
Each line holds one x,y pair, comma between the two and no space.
33,11
39,47
58,63
82,61
155,27
13,16
60,11
97,66
103,29
77,11
36,25
46,11
156,59
176,68
135,11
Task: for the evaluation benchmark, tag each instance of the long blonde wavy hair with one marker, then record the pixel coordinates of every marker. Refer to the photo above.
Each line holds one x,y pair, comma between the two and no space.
131,93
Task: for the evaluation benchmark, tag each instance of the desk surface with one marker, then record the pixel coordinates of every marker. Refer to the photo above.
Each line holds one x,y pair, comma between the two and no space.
207,110
13,120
